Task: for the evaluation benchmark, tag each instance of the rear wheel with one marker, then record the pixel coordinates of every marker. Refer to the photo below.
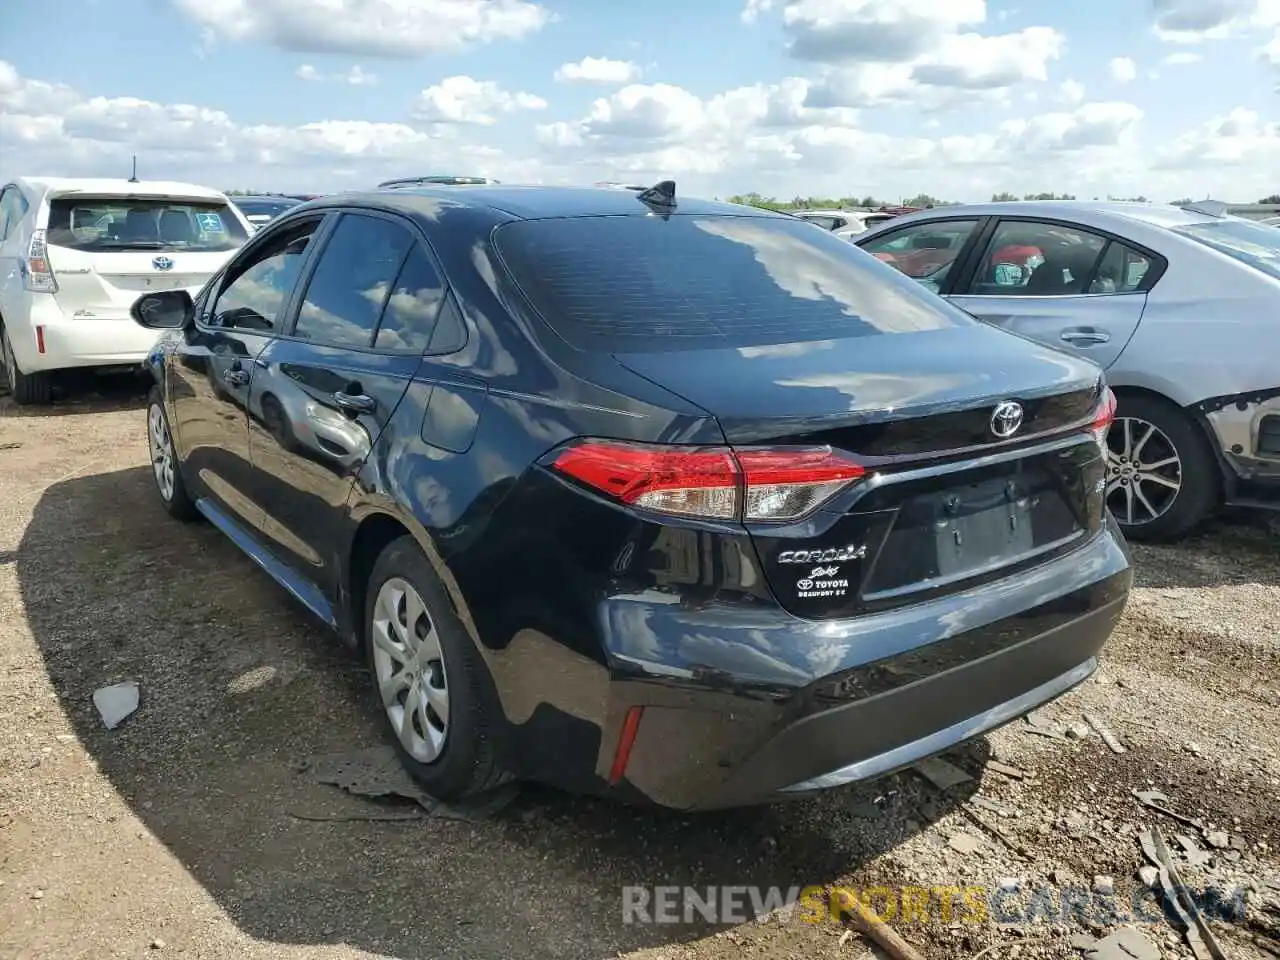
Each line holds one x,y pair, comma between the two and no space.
164,461
1162,478
26,388
428,677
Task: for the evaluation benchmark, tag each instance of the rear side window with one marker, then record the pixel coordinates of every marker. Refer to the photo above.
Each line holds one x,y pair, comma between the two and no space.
121,223
356,272
649,284
409,317
13,207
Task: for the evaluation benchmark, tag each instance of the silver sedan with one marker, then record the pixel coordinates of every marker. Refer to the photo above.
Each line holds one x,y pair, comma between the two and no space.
1181,307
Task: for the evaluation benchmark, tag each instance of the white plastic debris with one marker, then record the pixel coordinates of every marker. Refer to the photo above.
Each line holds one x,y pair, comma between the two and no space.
116,702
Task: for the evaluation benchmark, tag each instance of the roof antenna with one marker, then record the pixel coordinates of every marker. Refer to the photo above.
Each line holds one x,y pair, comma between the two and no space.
661,195
134,178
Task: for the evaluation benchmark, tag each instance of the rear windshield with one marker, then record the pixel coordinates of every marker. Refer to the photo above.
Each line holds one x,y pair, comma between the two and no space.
1256,244
270,208
120,223
649,284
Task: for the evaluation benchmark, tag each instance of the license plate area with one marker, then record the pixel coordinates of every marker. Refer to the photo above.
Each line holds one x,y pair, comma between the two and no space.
981,525
967,530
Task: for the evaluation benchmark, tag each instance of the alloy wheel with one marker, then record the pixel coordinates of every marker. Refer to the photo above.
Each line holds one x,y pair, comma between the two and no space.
1144,471
161,451
409,667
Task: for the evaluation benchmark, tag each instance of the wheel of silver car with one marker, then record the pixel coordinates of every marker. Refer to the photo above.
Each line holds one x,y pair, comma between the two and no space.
161,451
408,661
10,364
1144,471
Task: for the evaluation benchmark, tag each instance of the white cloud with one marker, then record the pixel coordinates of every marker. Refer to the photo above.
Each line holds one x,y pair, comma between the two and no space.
597,70
1072,91
1123,69
384,28
465,100
355,77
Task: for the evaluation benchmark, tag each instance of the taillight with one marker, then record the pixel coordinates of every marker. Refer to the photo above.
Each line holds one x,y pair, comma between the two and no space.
716,483
1104,415
38,276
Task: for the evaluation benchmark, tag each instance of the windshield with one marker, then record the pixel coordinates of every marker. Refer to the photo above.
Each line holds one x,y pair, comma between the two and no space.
126,223
644,284
1246,241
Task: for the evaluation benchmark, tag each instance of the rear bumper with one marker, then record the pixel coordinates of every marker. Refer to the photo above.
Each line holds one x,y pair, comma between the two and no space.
756,711
69,341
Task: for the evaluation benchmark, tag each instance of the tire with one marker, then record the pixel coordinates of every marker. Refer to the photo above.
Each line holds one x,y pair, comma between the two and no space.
26,388
1195,472
457,756
166,471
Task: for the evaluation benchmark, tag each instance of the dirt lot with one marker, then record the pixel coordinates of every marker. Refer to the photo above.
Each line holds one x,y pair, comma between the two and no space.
190,830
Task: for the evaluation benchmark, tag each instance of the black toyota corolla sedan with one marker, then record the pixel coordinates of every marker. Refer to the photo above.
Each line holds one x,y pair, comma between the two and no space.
674,501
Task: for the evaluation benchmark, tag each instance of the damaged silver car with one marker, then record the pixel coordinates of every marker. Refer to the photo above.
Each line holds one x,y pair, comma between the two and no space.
1181,307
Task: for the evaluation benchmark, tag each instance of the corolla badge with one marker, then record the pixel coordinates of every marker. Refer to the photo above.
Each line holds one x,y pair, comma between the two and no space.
1006,419
162,263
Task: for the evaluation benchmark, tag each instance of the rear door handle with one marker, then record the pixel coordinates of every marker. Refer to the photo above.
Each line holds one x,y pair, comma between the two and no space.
236,377
354,402
1082,336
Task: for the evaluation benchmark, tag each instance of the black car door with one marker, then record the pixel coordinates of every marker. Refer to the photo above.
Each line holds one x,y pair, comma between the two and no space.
211,370
323,391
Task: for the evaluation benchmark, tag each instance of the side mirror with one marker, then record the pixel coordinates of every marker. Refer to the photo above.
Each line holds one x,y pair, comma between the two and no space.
164,310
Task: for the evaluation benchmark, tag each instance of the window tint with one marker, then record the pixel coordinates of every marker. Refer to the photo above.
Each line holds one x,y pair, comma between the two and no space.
1121,270
259,288
1256,244
121,223
923,251
357,269
638,283
1026,259
410,314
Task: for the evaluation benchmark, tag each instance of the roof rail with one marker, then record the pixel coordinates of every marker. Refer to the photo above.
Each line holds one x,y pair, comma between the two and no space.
435,180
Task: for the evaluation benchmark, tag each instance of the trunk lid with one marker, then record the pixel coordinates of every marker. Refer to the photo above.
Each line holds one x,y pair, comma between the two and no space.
946,504
106,283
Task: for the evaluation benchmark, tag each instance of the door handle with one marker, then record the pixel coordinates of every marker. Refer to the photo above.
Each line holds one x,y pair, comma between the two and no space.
236,377
1082,336
354,402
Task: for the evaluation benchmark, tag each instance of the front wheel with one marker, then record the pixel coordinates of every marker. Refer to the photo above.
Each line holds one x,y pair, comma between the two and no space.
1162,476
164,461
429,678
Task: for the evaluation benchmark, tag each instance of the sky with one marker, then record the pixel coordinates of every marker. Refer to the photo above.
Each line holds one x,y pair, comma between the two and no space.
891,98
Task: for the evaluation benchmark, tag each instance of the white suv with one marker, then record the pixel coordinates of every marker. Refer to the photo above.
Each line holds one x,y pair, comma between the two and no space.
76,254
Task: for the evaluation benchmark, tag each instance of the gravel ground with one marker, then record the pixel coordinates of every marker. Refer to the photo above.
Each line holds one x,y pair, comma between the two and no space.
190,830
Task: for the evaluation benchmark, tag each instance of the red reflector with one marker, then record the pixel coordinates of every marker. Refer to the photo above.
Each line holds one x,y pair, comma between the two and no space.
40,339
1106,411
630,727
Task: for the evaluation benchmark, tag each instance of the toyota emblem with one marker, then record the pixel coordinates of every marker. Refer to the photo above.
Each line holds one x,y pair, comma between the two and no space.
162,263
1006,419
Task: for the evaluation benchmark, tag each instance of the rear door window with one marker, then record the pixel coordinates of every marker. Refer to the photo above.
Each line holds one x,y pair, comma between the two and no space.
646,283
1031,259
124,223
